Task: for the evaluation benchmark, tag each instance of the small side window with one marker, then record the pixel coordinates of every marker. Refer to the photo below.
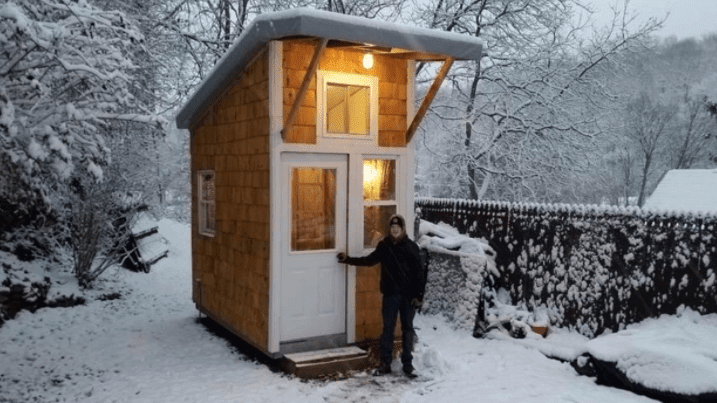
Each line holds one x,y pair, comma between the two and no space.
207,203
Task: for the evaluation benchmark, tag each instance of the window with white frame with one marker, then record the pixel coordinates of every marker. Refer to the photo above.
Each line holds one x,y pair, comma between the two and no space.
379,197
207,203
348,106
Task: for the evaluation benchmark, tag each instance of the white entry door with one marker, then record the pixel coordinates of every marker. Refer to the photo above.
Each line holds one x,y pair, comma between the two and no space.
313,283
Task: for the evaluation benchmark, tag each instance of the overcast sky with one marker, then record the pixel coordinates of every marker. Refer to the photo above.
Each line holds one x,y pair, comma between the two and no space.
687,18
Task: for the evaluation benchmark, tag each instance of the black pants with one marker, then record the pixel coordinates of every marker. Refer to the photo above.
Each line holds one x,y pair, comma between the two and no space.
392,306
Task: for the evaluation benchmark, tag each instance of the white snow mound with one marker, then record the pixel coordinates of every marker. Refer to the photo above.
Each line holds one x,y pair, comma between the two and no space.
675,353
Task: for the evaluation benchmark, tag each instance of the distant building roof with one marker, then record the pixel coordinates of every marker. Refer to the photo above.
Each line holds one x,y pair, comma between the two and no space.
690,190
306,22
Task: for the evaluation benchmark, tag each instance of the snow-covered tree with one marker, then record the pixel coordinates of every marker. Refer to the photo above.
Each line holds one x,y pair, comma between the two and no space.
663,120
647,124
526,117
65,75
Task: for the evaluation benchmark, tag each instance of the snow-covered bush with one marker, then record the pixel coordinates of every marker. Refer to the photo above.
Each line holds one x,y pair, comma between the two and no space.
597,268
31,282
96,225
458,269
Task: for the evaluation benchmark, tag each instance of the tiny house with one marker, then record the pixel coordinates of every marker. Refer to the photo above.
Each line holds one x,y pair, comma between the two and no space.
300,149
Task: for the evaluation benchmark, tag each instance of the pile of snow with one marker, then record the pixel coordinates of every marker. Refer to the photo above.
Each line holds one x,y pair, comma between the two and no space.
444,238
673,353
41,280
517,321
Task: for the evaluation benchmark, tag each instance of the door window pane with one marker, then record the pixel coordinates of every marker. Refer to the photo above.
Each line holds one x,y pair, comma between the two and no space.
313,209
375,224
347,109
379,180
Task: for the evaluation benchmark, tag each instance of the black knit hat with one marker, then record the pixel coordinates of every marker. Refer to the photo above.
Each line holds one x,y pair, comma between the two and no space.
397,219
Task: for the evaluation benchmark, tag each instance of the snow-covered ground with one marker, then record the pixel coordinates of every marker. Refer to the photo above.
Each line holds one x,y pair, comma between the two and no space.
148,347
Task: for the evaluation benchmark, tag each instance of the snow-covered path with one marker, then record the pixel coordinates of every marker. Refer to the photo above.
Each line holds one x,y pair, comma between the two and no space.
148,347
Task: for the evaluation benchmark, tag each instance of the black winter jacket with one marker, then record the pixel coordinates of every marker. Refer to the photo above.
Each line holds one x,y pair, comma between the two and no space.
402,271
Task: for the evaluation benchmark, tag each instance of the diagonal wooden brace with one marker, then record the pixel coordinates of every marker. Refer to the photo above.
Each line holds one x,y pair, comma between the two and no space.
429,98
303,89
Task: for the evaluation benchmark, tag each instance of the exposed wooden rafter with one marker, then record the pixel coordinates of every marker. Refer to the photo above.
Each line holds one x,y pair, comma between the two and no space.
429,98
303,89
419,56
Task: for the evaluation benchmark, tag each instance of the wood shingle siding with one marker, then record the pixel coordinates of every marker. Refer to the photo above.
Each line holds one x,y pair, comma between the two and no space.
233,140
392,75
368,303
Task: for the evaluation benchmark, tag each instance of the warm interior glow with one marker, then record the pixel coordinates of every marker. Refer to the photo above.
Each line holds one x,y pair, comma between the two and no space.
313,202
379,194
379,179
371,179
367,61
347,109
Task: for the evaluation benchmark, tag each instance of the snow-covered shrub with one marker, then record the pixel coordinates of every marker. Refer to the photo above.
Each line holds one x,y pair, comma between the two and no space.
457,271
96,225
597,268
33,283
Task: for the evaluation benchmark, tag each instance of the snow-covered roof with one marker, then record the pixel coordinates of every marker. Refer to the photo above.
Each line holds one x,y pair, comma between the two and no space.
306,22
690,190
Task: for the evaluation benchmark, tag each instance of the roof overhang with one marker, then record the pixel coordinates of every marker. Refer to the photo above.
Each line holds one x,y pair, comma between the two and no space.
341,30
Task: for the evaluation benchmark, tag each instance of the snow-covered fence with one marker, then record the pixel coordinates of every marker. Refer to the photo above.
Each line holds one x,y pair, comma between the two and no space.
596,268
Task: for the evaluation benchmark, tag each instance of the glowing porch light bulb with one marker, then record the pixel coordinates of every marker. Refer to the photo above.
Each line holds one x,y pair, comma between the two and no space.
367,61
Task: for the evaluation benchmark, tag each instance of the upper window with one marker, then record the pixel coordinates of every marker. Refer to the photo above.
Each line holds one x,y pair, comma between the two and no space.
348,106
207,203
347,109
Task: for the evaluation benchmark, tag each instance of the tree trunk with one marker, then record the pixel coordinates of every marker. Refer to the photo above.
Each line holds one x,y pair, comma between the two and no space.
484,186
627,179
470,171
645,170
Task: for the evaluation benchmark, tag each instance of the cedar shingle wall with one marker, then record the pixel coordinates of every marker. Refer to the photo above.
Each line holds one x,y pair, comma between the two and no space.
368,303
391,75
233,139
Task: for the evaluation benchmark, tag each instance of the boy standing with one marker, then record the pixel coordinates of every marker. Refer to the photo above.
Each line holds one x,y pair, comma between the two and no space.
403,283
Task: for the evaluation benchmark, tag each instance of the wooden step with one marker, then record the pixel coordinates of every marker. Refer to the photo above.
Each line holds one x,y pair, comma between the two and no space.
315,364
